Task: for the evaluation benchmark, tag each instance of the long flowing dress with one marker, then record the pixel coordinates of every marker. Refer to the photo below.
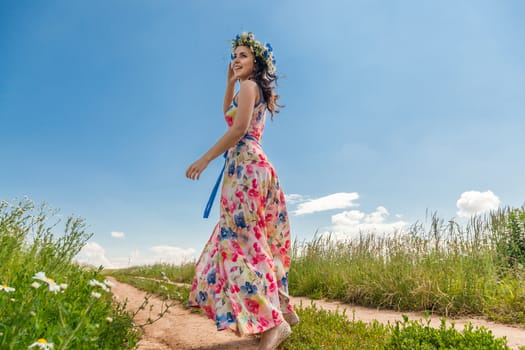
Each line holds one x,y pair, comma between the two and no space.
241,278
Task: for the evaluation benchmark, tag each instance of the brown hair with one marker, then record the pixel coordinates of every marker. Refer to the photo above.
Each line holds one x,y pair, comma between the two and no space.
267,82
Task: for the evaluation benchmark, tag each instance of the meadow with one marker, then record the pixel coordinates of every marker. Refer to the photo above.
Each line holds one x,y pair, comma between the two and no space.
48,301
444,268
441,267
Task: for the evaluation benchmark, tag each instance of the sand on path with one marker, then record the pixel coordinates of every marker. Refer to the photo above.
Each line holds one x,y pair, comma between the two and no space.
181,329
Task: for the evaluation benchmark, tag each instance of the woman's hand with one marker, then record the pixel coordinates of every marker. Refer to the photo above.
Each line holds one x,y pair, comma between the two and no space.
231,74
195,170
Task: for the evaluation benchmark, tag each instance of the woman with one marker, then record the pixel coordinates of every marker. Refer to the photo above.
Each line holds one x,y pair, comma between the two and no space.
242,274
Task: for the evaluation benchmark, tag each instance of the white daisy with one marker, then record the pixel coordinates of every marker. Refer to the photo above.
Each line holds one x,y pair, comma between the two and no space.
99,284
4,287
53,286
109,283
42,344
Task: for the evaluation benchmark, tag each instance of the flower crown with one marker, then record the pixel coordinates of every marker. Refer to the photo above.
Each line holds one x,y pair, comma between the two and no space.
264,52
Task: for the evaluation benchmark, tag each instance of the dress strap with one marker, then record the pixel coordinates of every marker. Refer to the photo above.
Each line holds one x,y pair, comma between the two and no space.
213,193
261,97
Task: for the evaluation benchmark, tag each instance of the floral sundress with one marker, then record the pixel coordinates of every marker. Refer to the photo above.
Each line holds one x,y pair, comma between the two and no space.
241,278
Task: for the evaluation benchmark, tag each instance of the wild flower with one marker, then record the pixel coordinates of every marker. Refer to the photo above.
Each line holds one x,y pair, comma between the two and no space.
42,344
96,295
109,283
95,283
109,319
53,286
35,285
7,289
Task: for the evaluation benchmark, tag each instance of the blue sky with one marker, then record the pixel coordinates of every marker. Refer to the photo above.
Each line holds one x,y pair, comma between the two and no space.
392,109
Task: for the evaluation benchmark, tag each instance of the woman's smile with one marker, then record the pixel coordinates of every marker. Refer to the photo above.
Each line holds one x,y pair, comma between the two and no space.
242,63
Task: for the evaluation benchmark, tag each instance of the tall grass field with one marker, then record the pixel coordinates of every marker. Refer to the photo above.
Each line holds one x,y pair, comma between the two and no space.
50,302
46,300
445,268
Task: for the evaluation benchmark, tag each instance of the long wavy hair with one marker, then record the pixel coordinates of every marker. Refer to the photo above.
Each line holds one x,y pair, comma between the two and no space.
268,82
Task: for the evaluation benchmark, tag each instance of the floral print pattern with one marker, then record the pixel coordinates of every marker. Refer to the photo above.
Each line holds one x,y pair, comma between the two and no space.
241,276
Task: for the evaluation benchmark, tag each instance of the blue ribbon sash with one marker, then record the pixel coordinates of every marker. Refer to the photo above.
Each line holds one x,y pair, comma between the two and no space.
213,194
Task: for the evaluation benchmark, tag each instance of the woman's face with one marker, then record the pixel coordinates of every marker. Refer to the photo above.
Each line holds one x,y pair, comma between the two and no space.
242,63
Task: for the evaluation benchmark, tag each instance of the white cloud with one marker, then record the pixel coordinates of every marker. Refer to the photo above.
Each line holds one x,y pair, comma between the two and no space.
475,202
349,224
172,253
93,254
334,201
117,234
156,254
294,198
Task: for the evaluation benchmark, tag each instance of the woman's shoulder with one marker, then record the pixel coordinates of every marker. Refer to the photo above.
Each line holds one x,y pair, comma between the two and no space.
249,84
249,87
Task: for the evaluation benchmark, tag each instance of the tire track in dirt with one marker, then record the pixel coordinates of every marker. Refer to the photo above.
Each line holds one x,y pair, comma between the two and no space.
183,330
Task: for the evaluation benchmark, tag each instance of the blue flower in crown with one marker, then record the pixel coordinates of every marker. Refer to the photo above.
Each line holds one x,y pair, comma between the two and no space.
269,46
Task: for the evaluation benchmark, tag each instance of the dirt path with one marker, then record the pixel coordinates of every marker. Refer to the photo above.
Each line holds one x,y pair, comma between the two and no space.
179,329
182,330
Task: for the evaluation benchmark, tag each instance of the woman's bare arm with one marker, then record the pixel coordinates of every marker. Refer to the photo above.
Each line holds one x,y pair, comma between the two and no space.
247,97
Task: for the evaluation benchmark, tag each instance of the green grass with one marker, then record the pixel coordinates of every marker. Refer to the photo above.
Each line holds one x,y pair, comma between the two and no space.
446,269
164,289
331,330
182,273
70,318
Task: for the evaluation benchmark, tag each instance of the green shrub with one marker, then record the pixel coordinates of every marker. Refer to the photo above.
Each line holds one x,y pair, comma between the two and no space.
65,308
417,335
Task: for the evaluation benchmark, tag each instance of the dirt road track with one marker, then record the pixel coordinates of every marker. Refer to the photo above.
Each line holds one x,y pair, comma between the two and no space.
182,330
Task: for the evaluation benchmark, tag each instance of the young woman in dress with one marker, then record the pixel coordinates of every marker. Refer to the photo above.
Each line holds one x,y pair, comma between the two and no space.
241,276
